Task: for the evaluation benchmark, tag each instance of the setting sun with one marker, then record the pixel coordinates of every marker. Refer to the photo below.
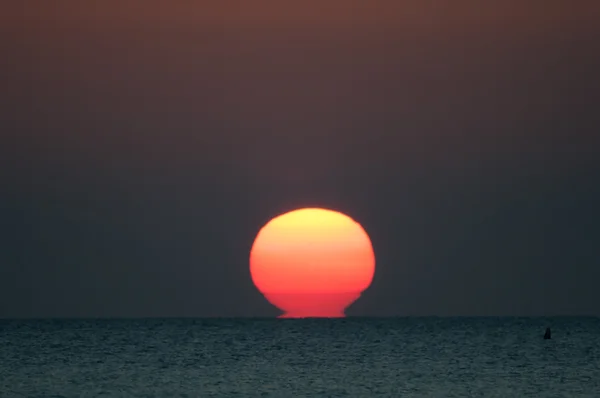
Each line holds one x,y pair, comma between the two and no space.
312,262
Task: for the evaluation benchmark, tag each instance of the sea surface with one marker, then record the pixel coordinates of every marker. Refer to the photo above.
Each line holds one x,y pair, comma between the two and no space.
351,357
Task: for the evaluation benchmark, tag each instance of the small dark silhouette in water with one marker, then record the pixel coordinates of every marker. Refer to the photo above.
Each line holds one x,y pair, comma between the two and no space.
548,334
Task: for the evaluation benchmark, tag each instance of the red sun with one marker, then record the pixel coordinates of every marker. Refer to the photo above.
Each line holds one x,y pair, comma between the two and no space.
312,262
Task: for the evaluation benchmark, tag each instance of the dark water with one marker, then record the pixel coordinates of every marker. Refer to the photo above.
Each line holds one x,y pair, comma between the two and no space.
403,357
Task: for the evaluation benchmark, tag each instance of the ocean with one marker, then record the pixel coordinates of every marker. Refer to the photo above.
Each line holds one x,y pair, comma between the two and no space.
349,357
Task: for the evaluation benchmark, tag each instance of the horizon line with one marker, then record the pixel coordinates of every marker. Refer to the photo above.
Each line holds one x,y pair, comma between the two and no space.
86,318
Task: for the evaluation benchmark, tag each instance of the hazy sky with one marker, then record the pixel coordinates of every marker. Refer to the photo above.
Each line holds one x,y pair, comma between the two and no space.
143,147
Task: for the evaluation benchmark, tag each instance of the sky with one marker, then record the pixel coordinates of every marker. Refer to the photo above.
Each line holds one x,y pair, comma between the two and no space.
143,145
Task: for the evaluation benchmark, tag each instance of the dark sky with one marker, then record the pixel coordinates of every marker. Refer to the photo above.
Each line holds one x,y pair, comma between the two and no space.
143,147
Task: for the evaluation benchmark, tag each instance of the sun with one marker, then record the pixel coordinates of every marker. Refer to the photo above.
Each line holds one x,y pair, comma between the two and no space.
312,262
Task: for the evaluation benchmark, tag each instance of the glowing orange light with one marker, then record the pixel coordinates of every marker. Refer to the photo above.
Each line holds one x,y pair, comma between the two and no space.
312,262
